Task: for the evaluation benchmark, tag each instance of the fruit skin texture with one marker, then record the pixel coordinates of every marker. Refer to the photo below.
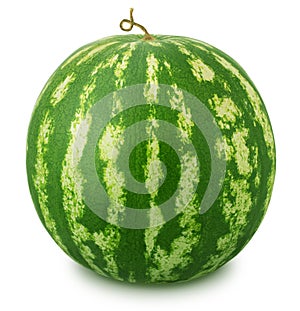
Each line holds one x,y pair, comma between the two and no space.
169,77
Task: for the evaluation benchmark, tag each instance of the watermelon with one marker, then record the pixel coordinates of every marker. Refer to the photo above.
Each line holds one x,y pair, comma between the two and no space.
150,159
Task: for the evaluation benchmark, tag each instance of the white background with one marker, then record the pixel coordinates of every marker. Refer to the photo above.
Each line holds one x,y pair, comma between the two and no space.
35,37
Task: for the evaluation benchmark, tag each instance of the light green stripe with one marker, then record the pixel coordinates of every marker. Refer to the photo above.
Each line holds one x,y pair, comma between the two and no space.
190,170
260,116
256,102
109,146
168,68
72,180
108,63
87,90
255,166
108,241
154,43
235,213
179,256
132,278
199,44
189,178
150,241
181,47
122,65
61,90
153,171
234,210
151,87
242,152
227,112
184,121
96,50
152,182
40,178
76,55
200,70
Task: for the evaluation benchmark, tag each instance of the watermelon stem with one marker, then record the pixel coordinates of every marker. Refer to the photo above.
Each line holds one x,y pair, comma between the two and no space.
132,23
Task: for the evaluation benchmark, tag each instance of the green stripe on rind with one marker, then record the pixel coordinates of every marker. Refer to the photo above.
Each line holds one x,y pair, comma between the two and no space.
260,114
104,67
152,181
235,213
72,183
153,170
108,241
109,146
40,179
165,263
61,90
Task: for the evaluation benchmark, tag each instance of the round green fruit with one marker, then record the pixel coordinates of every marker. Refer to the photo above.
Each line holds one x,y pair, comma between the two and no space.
150,159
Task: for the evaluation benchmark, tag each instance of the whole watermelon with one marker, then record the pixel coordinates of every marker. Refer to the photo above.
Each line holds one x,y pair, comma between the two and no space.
150,160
